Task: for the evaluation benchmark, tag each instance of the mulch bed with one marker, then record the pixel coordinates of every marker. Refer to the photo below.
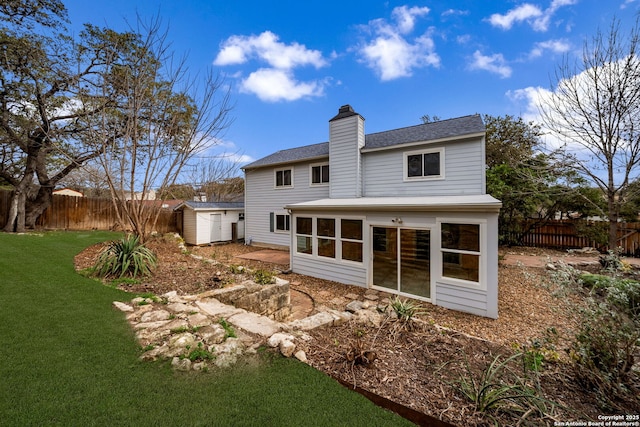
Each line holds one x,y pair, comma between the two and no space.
419,367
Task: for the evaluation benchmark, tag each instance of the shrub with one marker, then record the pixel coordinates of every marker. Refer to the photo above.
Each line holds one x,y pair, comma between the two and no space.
604,352
125,257
497,387
406,309
263,277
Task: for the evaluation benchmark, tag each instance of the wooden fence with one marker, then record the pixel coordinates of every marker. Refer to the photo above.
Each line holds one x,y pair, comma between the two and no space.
564,234
84,213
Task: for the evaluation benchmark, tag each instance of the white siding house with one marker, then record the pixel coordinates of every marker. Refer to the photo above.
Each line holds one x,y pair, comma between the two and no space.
403,211
204,222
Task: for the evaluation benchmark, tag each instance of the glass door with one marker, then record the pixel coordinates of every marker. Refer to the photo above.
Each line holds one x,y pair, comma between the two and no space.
402,260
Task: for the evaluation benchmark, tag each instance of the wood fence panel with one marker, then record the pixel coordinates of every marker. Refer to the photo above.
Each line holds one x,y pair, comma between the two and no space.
83,213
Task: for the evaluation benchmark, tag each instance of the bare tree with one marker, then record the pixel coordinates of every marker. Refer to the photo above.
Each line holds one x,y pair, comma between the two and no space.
162,119
595,111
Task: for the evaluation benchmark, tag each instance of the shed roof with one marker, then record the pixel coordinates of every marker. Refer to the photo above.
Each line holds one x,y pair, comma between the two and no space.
451,128
210,206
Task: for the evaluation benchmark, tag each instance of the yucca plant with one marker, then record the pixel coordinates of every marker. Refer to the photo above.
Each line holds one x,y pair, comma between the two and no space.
125,257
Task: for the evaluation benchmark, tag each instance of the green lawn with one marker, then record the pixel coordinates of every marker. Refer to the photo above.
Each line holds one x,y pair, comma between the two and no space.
68,358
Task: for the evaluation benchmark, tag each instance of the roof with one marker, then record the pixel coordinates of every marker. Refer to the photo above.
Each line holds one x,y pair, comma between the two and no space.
204,206
444,129
471,203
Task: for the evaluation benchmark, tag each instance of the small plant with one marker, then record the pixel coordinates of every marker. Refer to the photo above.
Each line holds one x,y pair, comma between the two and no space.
125,257
179,330
263,277
228,329
237,269
200,354
491,390
406,309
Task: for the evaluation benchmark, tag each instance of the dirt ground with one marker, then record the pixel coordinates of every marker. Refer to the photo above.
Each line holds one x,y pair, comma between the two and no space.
420,367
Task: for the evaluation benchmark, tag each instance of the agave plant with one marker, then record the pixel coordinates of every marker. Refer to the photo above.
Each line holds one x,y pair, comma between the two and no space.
125,257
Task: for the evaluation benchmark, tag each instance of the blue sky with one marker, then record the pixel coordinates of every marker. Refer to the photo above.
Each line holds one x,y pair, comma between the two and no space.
292,64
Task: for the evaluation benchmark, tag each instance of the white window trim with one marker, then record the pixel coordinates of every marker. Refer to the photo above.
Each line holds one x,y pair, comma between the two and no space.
275,180
338,238
405,166
275,222
482,273
319,184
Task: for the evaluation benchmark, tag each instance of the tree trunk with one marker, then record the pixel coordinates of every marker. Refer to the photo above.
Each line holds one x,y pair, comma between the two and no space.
613,223
35,207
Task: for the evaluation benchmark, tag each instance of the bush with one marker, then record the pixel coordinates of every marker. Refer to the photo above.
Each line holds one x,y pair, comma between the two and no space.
604,352
125,257
263,277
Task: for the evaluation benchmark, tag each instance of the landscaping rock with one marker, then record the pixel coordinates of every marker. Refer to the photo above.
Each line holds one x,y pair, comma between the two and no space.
212,334
198,320
179,307
155,316
275,339
287,348
123,307
301,356
181,364
354,306
312,322
182,340
255,323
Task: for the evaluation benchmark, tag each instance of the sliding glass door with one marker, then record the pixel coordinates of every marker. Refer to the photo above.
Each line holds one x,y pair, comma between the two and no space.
402,260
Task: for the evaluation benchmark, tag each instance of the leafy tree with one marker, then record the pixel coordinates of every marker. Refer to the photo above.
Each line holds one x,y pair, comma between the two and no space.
47,89
595,111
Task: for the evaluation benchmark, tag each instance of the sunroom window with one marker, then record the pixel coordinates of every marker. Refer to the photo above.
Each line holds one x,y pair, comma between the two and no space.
461,251
304,235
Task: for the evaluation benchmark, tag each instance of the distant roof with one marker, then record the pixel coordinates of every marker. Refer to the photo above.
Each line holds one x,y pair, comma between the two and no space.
451,128
211,205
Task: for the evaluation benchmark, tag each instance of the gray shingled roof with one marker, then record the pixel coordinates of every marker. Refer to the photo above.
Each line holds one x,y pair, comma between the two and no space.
212,205
450,128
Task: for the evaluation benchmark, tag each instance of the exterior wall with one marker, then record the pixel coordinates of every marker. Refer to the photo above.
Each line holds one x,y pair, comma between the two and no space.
197,225
189,227
477,298
262,198
464,171
346,138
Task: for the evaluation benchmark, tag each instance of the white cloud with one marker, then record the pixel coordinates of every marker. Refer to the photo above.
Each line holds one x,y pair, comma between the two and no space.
276,82
537,18
494,64
239,49
555,46
272,85
406,17
626,3
390,54
521,13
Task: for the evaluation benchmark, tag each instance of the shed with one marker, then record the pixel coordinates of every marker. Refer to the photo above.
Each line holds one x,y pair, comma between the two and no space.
209,222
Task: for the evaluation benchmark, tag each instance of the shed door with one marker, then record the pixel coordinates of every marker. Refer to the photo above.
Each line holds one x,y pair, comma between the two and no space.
216,227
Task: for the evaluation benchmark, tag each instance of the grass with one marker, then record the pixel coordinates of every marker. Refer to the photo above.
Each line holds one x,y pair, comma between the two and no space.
68,358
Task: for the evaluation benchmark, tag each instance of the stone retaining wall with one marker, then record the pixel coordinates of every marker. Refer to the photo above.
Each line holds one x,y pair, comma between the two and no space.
268,300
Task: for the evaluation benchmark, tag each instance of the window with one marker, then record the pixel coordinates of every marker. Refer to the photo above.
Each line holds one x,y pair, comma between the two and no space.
337,238
424,164
284,178
326,237
319,174
351,239
279,223
461,251
304,235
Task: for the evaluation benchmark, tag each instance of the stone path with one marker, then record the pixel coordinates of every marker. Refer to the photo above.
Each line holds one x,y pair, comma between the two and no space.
198,332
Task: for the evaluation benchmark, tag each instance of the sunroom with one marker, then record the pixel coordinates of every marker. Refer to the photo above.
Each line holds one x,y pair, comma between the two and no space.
442,250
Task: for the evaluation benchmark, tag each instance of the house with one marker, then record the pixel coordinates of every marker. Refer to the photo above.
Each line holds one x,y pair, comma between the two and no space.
205,222
67,192
403,211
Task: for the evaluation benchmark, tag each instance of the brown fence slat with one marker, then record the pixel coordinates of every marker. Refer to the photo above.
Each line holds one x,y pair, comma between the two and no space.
83,213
